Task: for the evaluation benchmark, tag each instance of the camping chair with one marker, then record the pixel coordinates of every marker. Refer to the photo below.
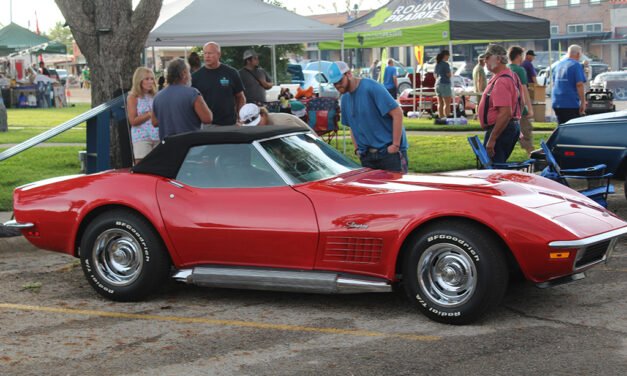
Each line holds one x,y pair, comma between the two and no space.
322,116
598,181
484,161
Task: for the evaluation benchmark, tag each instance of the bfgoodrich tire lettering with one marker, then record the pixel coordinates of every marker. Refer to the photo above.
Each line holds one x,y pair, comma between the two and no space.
122,256
454,271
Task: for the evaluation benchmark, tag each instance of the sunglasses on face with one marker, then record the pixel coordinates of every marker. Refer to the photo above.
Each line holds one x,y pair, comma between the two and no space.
248,121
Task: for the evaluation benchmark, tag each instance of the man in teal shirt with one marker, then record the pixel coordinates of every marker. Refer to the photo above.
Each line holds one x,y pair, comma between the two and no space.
515,55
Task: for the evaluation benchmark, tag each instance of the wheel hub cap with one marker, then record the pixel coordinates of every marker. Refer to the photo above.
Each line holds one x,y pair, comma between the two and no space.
118,257
447,274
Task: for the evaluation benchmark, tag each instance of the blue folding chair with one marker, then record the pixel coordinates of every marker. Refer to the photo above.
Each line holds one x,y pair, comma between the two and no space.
484,162
598,181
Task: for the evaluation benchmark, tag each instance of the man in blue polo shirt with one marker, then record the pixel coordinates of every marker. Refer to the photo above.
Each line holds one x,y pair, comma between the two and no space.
375,120
568,97
389,79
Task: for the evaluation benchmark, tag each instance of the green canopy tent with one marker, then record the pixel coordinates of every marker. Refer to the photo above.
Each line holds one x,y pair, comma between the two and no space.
438,22
14,38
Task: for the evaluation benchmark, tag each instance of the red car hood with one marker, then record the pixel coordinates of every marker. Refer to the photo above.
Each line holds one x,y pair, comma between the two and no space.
548,199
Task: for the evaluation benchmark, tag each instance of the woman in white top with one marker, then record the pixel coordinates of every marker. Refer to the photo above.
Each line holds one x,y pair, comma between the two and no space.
139,111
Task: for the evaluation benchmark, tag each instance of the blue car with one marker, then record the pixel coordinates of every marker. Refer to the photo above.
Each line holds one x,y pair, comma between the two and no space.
592,140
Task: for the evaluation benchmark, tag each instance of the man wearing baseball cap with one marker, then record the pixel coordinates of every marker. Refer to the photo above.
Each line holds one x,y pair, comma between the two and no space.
375,120
528,65
254,78
501,106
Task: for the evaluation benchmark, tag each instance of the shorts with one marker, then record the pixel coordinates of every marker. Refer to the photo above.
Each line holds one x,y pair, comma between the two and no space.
443,90
142,148
526,128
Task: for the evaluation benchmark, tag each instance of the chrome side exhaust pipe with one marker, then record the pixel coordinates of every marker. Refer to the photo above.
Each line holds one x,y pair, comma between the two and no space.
322,282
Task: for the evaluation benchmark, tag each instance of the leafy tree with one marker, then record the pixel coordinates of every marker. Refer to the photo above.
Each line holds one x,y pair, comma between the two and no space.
233,57
61,34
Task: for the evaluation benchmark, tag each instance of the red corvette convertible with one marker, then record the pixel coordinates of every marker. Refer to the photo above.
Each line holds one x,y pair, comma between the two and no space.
275,208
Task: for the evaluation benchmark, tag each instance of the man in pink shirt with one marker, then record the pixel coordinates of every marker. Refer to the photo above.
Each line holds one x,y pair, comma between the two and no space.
500,106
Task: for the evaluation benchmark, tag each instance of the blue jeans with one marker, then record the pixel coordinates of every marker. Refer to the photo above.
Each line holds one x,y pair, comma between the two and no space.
384,161
505,143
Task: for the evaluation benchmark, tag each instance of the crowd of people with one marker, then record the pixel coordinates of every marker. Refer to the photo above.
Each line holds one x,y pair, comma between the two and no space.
214,94
195,96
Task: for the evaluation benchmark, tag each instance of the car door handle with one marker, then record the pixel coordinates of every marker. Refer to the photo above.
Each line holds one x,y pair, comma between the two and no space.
179,185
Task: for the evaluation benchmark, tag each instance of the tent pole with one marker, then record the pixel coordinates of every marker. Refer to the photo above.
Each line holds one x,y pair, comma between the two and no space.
450,62
413,82
274,73
154,58
549,74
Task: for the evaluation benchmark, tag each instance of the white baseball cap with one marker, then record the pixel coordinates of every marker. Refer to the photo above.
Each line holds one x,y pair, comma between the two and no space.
249,115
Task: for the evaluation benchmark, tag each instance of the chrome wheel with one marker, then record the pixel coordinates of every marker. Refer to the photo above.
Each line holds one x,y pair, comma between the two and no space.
447,274
117,257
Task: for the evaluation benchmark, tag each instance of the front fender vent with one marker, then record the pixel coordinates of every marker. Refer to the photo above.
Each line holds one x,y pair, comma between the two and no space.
353,250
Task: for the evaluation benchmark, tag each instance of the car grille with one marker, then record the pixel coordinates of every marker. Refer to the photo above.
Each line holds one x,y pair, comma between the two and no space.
593,253
353,250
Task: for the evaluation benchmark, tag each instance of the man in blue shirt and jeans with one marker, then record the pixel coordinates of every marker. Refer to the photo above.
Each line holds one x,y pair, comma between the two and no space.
568,97
375,120
389,79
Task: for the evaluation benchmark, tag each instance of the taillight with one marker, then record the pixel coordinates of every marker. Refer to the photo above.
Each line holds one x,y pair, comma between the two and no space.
569,153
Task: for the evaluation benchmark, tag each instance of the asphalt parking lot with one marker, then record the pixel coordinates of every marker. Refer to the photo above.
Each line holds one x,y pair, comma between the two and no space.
53,323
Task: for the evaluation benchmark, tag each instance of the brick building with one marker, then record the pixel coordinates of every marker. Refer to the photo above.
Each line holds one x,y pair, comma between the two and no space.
599,26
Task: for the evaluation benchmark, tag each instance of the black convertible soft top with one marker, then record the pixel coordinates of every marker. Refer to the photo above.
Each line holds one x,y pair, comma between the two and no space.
166,158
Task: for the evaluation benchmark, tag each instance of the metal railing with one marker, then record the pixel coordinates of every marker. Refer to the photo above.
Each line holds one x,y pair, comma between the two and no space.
98,121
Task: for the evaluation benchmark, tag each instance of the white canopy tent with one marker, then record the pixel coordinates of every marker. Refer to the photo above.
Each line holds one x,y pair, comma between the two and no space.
235,23
187,23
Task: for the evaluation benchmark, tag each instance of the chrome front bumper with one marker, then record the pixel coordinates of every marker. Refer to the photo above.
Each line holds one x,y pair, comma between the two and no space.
592,250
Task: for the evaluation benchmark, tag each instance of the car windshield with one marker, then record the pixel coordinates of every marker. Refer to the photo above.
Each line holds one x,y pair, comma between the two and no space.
611,76
315,76
305,158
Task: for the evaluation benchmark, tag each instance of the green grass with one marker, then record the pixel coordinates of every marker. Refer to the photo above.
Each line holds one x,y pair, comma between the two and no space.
429,154
35,164
473,125
44,117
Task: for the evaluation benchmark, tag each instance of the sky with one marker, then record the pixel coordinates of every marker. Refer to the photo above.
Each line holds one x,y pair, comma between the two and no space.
48,14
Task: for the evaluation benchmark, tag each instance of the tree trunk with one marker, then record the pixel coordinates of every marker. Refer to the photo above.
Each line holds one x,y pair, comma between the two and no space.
4,124
111,36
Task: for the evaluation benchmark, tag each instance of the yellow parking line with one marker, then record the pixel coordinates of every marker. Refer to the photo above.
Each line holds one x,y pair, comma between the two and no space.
611,269
219,322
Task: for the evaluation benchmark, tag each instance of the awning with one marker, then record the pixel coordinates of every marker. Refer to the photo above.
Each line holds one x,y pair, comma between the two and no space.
611,41
438,22
598,34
